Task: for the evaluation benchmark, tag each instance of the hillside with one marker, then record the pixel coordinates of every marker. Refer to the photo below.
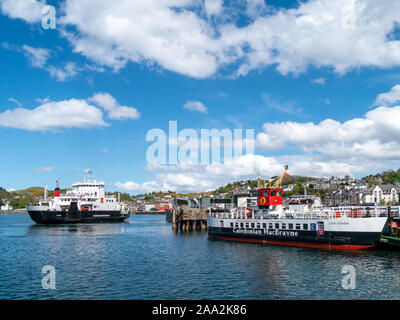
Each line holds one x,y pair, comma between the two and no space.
19,198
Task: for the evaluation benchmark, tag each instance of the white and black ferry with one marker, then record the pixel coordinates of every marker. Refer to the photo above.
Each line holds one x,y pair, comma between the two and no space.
84,202
342,228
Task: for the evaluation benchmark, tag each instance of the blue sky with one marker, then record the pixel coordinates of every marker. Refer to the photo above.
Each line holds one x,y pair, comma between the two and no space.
242,61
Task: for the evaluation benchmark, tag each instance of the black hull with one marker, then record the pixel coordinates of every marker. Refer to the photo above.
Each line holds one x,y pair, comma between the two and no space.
330,240
63,217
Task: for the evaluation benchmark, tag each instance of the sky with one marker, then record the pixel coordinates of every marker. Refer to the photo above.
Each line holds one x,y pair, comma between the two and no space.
83,82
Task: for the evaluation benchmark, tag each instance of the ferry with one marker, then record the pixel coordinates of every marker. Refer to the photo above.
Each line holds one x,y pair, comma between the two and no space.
270,222
84,202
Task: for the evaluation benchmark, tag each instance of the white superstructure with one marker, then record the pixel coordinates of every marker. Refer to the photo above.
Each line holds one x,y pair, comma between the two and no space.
89,195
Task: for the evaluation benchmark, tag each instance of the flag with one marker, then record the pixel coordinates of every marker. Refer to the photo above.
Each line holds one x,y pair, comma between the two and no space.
393,224
287,175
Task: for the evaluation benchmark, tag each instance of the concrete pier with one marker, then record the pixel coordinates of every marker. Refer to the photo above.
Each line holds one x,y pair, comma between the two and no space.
189,219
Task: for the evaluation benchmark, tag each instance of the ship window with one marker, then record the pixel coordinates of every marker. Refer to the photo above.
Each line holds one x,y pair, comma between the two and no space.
270,226
231,224
241,224
283,225
297,226
276,225
305,226
252,225
264,226
278,193
290,226
236,225
247,225
273,193
258,226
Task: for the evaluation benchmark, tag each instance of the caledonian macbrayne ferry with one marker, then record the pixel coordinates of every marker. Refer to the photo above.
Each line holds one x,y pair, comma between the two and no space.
342,228
85,202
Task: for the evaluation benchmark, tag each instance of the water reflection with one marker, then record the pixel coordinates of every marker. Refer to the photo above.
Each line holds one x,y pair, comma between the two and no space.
83,229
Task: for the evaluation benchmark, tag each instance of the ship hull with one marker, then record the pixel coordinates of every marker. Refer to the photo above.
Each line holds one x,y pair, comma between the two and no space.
65,217
326,239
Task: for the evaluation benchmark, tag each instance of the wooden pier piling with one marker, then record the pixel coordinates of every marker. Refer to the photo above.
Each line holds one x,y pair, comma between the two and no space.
189,219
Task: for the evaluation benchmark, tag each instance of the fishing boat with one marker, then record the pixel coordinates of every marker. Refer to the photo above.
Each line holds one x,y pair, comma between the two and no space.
269,222
84,202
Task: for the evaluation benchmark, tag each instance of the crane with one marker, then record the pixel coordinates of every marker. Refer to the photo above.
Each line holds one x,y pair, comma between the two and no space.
277,182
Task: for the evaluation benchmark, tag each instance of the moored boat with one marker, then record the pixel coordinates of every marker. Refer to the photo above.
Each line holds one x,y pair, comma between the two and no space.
342,228
85,202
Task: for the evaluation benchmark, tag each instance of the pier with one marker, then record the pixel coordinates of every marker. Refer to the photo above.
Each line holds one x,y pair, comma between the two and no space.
189,219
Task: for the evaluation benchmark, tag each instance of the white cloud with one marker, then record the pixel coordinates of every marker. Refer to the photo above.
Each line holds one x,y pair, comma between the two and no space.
61,74
389,98
37,56
175,35
213,7
29,10
195,106
45,170
321,81
115,111
286,106
72,113
148,186
195,178
143,31
377,134
15,101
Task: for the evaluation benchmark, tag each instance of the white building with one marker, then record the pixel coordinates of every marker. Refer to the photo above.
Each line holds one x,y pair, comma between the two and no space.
386,193
6,207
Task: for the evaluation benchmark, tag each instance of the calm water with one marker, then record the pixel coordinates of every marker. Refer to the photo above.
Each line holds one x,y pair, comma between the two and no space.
143,259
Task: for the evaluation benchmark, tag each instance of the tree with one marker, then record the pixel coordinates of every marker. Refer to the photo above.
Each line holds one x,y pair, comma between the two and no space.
298,189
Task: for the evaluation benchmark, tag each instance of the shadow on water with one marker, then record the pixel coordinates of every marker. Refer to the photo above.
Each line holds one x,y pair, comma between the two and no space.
95,229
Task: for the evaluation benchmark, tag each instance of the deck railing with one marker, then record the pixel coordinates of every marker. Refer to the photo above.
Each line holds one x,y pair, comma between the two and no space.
322,213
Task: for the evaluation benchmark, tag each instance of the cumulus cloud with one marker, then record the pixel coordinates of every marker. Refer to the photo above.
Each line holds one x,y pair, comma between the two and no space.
187,177
115,111
389,98
195,106
376,134
29,10
72,113
213,7
176,36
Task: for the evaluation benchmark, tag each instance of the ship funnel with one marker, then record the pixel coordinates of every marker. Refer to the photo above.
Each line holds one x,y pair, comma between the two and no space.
57,190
